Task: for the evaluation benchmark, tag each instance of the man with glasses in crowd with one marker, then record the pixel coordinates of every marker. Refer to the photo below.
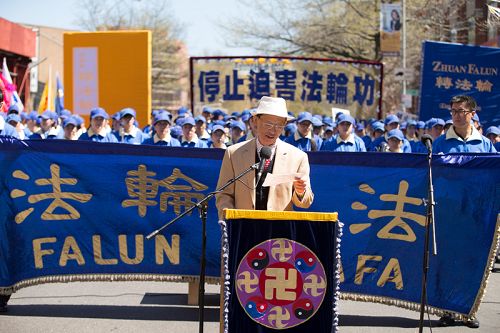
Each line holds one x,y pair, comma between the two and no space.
248,193
462,137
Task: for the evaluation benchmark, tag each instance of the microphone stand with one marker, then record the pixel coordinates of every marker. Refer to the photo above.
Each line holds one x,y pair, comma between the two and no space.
202,205
429,222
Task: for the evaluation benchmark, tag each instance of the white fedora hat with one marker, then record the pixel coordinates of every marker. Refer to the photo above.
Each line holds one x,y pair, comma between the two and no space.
274,106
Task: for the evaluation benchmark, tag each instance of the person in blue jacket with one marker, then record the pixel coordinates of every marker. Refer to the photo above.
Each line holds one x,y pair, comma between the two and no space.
98,131
463,137
391,122
129,132
302,138
7,129
493,133
345,140
48,126
189,139
162,137
460,138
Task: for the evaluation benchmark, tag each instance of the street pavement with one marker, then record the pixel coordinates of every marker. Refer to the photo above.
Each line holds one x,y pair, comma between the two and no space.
162,307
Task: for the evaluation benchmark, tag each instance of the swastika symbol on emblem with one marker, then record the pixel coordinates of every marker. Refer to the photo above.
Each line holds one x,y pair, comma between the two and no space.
280,283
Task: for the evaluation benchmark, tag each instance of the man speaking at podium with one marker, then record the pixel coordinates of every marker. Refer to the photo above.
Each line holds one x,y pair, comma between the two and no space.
275,157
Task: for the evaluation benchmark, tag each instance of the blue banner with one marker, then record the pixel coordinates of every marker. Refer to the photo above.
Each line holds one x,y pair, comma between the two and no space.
81,211
475,72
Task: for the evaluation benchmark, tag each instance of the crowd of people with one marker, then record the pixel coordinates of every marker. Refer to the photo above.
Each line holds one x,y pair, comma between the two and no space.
214,128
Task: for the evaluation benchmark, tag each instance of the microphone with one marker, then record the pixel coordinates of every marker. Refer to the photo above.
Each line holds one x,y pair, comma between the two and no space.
427,141
265,154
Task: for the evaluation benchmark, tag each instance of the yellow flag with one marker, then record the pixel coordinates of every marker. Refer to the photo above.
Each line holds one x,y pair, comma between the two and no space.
46,102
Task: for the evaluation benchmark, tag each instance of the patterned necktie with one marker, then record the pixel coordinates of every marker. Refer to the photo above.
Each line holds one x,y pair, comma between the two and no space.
266,165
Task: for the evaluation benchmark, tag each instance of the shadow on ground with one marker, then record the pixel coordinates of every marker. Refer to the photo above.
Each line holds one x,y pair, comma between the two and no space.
173,307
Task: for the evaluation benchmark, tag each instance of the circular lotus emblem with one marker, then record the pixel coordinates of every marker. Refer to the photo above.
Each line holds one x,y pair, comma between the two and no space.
280,283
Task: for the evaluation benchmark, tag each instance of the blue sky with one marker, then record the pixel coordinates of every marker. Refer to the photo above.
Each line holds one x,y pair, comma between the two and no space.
198,18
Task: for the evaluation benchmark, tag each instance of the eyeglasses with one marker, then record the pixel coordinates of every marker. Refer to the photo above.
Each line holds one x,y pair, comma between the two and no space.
270,126
460,112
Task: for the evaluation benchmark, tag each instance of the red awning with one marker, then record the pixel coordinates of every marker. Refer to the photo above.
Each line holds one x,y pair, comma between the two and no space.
17,39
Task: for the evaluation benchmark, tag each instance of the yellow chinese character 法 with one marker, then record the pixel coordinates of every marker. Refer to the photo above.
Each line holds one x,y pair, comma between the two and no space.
57,196
463,84
143,190
398,214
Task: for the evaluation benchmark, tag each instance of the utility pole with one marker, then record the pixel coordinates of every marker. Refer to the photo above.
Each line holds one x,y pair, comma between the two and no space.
404,44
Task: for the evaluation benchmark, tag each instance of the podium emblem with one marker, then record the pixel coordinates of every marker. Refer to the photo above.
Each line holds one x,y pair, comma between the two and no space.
280,283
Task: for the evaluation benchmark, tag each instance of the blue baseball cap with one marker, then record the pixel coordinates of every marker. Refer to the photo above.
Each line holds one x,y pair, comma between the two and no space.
79,119
475,117
207,109
65,112
392,118
218,128
98,112
176,131
317,122
420,124
219,122
328,129
378,126
33,115
291,127
47,114
154,113
360,127
239,124
344,117
304,116
162,116
229,117
70,121
218,112
182,110
180,119
13,117
127,112
14,108
189,121
435,122
395,133
411,122
246,117
200,118
491,130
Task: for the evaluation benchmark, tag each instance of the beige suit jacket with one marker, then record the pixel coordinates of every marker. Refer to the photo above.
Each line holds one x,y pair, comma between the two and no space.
241,194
